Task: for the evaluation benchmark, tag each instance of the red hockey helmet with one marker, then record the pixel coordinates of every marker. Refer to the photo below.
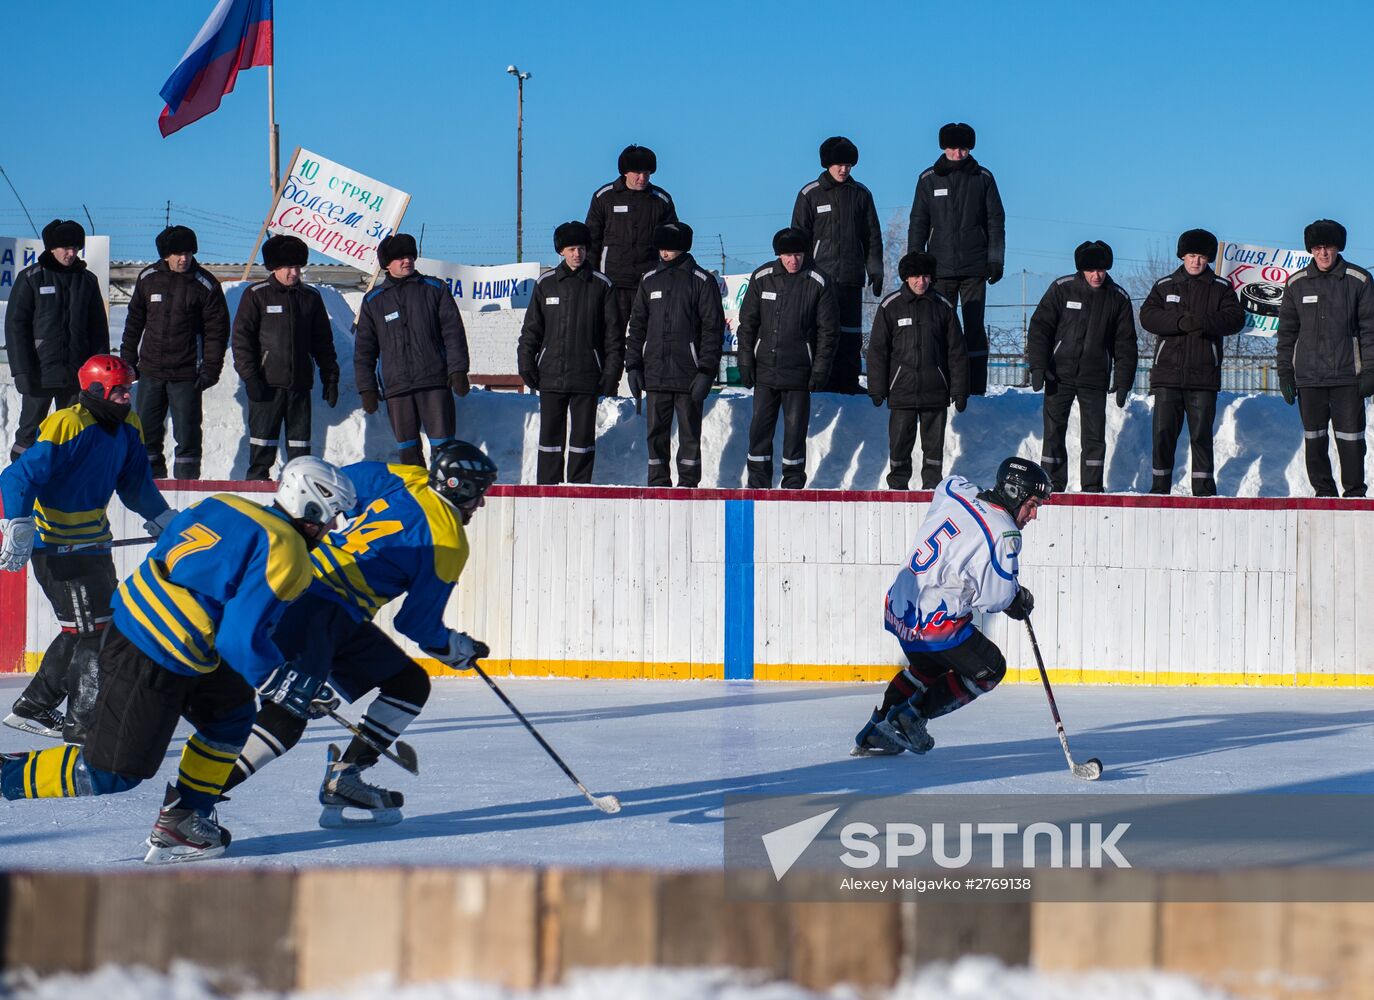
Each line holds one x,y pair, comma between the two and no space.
102,373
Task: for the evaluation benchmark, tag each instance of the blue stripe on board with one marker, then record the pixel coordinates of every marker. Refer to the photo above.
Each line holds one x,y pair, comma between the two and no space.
739,590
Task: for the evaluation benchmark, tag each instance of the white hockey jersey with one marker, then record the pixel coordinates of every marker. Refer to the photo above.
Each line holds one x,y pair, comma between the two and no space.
966,560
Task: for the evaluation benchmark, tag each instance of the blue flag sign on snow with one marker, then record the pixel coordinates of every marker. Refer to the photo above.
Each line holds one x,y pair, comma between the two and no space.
237,35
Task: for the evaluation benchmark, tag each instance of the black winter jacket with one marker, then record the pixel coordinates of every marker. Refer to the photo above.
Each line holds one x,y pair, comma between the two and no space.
622,222
1190,360
957,216
410,337
677,326
54,321
1081,336
573,334
282,333
787,328
847,242
916,354
1326,325
178,324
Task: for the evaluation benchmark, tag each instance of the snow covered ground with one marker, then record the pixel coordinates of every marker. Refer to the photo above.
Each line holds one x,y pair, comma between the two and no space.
672,749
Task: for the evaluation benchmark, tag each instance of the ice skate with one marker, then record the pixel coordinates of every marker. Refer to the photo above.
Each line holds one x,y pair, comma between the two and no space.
871,742
905,726
32,719
348,800
182,834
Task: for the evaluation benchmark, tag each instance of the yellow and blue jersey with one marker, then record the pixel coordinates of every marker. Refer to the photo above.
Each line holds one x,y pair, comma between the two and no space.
214,587
66,479
402,537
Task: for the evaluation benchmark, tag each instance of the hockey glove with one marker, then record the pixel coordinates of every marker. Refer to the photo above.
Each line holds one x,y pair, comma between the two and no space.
1190,323
531,380
330,393
1021,605
17,543
324,702
995,272
292,689
610,384
1367,383
1288,389
257,389
701,387
158,525
1122,395
458,381
369,398
205,380
1037,380
462,651
746,374
960,404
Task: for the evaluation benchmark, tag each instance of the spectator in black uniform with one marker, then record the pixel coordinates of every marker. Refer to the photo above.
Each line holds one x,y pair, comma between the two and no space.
410,350
847,247
956,214
918,363
787,339
673,350
1081,334
572,348
175,337
622,219
1191,311
281,334
1326,356
54,321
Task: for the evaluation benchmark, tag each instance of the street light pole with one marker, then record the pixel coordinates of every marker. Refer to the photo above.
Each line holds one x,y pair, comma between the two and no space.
520,79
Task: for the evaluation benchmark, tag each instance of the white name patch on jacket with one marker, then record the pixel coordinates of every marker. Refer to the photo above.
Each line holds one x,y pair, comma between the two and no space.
904,321
552,300
620,208
1073,305
1309,298
822,208
274,309
941,192
770,295
47,290
392,316
1171,298
155,297
655,295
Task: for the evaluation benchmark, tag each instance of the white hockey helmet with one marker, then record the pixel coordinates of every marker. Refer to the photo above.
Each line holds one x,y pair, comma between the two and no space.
310,489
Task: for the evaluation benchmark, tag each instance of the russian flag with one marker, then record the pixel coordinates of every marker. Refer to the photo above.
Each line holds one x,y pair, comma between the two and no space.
238,35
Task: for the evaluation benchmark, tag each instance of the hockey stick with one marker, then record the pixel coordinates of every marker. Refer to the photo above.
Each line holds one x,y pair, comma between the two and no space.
1091,769
606,803
403,754
142,540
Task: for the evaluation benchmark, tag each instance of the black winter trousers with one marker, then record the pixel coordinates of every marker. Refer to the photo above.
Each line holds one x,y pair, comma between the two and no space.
849,315
554,437
32,410
265,419
660,408
971,295
796,418
1092,418
155,398
1199,406
901,439
1341,408
947,679
431,408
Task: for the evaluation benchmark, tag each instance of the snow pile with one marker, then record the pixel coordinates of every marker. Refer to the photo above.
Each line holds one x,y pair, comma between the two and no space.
967,979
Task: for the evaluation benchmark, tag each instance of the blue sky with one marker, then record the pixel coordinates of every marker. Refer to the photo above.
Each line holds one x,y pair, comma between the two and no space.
1127,124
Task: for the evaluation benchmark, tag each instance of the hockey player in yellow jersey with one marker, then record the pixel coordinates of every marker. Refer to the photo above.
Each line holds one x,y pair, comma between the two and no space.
191,638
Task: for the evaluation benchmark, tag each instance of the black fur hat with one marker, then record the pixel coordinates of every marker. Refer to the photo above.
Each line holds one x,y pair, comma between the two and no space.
176,239
63,233
838,149
284,251
395,247
636,159
957,135
791,240
1198,241
673,236
914,264
1093,256
1323,232
571,234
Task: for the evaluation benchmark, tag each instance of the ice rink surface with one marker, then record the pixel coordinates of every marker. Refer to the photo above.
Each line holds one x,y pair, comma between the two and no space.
672,749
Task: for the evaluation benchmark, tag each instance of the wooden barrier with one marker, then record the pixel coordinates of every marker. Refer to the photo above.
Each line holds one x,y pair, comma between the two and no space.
523,927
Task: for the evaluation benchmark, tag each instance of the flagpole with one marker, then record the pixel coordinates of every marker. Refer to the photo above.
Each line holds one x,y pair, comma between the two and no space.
272,133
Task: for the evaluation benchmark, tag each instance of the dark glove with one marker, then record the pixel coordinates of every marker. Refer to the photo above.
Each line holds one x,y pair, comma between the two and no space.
995,272
204,380
330,392
746,374
701,387
25,384
1021,605
819,380
324,702
1122,395
1037,379
292,689
458,381
875,282
877,399
257,388
960,404
1289,390
636,380
531,380
1367,383
369,397
610,384
1190,323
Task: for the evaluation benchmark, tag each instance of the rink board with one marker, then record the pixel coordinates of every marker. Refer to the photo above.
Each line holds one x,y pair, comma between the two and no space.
739,584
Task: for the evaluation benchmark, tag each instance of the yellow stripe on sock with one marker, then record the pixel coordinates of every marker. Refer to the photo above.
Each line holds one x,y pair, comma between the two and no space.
203,768
69,772
49,768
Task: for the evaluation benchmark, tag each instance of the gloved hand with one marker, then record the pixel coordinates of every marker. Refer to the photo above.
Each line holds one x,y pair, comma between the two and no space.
204,380
324,702
531,379
1021,605
1122,395
701,387
875,282
1288,389
369,398
636,380
1367,382
610,384
257,389
330,392
960,404
819,380
1190,323
158,525
995,272
462,651
877,398
16,545
458,381
1037,379
293,689
25,384
746,374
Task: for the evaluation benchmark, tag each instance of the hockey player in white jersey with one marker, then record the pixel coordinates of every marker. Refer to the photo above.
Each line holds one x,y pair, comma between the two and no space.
967,560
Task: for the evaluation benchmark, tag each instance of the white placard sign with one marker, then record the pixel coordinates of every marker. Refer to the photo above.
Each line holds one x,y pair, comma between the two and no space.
1259,276
338,212
484,289
17,254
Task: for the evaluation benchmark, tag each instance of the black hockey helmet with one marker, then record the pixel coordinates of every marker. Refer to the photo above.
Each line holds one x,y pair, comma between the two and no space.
461,472
1019,479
